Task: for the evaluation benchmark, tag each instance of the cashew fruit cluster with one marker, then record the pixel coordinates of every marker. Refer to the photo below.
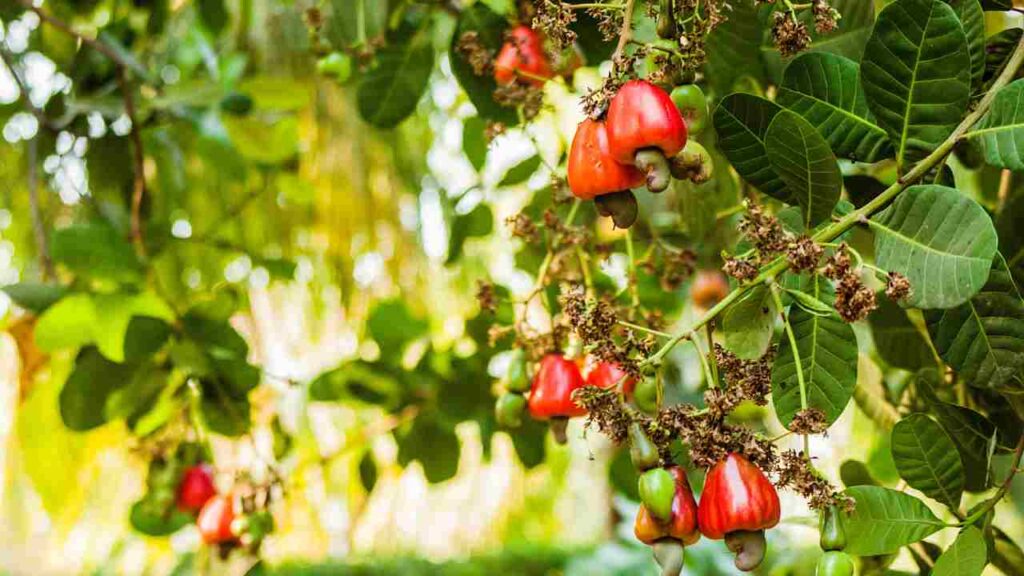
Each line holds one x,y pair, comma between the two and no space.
642,140
549,395
737,505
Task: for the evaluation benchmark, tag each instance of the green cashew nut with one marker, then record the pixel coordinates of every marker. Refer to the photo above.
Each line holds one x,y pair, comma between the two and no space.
657,490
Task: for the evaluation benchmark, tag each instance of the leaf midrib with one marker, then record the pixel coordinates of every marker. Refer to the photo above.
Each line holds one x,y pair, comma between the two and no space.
910,90
924,247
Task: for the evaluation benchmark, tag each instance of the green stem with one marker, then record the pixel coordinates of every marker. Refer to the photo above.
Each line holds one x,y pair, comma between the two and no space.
792,344
644,329
634,292
1003,489
708,377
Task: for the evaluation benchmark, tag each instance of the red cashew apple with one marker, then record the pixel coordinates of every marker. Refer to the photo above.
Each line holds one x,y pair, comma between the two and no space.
551,393
594,175
215,520
738,504
607,375
645,129
196,488
681,526
523,57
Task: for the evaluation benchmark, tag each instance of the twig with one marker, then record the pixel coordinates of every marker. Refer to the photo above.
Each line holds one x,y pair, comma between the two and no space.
627,30
139,162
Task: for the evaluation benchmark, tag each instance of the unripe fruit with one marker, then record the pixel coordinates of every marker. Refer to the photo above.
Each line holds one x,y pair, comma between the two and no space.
335,65
509,410
708,288
642,451
517,379
657,489
835,564
833,533
646,395
692,105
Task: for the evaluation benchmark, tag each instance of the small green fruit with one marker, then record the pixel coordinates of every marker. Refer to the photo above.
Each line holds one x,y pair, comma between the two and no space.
517,378
335,65
509,410
833,533
835,564
693,105
646,395
642,451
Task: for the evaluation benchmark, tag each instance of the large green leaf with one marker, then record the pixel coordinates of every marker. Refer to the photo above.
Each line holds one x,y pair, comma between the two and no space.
734,50
975,436
983,339
391,324
36,297
370,382
87,389
96,250
927,459
804,161
941,241
827,347
1001,132
742,122
825,89
748,325
886,520
389,93
966,557
917,75
490,30
972,17
434,445
898,341
69,323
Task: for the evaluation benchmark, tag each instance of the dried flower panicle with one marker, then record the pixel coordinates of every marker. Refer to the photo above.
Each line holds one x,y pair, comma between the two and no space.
796,472
520,94
803,254
854,300
710,439
555,19
471,48
764,230
741,269
523,228
789,34
486,296
751,379
494,129
897,287
826,18
809,421
604,411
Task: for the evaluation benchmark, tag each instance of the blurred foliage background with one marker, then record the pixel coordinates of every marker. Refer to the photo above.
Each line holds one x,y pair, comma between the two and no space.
324,227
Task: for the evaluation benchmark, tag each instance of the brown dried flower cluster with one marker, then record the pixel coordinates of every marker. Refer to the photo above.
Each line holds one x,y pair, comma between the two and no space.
555,19
789,34
854,301
741,269
763,230
803,254
604,411
524,228
710,439
751,379
826,18
673,267
809,421
486,296
897,287
494,129
596,101
796,472
595,322
521,94
471,48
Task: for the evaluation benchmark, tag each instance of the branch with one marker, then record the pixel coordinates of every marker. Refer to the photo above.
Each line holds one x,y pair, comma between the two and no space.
63,26
627,30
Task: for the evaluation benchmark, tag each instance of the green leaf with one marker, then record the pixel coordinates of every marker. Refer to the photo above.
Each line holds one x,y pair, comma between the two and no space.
530,443
734,50
474,143
69,323
213,14
748,325
810,304
373,383
35,297
152,520
897,340
389,93
1001,132
827,347
941,241
972,17
368,471
998,49
972,433
742,122
263,141
138,395
886,520
917,75
434,445
927,459
113,316
856,473
278,93
983,339
95,250
966,557
854,30
520,172
804,161
825,89
392,325
86,390
479,222
223,411
490,30
346,22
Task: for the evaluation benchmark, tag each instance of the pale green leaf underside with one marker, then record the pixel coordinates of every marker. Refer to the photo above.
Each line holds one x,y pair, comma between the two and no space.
966,557
983,339
742,121
748,325
927,459
1001,132
828,357
941,241
886,520
825,89
916,73
804,161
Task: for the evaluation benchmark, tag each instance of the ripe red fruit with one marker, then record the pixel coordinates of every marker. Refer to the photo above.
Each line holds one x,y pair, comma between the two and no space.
708,288
738,504
215,519
592,170
607,375
683,524
645,129
523,52
551,393
196,488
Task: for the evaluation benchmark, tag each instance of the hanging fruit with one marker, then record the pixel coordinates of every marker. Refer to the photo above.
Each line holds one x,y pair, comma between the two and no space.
668,538
594,175
551,394
692,105
215,520
646,395
738,504
517,379
522,57
642,451
608,375
693,164
509,410
645,129
196,488
708,288
835,564
833,533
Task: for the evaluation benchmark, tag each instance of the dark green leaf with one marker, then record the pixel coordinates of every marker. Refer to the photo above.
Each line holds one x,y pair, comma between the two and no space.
372,383
972,433
1001,132
983,339
927,459
222,411
34,297
474,143
916,73
972,17
389,93
144,337
95,250
825,89
856,473
804,161
87,389
150,519
368,471
521,172
897,340
734,50
213,14
742,122
434,445
942,241
827,349
886,520
479,222
966,557
529,442
392,325
490,30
